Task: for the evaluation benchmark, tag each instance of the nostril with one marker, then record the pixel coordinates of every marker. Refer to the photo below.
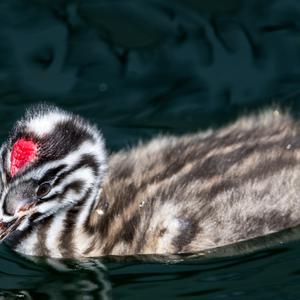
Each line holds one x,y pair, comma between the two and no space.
26,207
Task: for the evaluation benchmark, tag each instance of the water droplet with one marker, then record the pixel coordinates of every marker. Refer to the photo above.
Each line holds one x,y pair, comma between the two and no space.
100,212
142,203
289,146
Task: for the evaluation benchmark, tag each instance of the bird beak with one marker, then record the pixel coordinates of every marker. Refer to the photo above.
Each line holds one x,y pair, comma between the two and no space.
25,207
6,228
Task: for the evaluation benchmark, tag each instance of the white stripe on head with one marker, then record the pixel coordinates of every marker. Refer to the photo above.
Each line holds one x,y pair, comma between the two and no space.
44,124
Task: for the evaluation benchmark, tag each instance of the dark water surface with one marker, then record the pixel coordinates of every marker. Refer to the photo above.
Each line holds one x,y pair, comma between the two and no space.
137,69
272,273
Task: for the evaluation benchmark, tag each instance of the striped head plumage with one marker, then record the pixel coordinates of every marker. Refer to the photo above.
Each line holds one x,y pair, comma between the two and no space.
52,161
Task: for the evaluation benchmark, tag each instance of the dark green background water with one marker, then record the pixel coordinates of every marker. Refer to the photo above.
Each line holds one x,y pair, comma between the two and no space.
139,68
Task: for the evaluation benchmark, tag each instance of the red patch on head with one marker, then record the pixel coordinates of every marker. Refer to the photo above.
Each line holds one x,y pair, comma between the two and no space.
23,152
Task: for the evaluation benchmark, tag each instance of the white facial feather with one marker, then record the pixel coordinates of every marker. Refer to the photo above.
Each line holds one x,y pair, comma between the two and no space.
45,124
42,123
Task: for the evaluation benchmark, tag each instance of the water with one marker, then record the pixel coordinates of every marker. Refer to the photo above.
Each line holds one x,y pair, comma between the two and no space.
137,69
271,273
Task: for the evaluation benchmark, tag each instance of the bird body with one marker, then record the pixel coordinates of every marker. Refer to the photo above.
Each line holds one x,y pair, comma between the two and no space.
169,195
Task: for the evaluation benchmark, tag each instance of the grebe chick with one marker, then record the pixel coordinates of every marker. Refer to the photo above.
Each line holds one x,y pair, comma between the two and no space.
63,196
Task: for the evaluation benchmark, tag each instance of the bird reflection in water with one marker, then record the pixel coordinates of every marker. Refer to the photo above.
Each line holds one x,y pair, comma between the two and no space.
49,278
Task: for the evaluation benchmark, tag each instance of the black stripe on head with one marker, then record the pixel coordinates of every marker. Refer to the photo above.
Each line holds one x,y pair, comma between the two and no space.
4,163
3,156
76,186
87,160
51,173
66,137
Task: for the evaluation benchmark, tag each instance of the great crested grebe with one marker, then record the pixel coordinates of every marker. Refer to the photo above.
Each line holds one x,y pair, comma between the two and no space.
63,196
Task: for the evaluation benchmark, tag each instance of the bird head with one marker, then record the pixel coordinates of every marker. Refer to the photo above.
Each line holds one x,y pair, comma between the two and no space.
51,161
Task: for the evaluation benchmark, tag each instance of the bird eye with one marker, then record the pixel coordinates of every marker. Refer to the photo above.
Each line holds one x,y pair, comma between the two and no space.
43,189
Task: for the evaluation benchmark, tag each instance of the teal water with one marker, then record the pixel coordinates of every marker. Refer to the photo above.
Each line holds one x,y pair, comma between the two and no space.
138,69
270,273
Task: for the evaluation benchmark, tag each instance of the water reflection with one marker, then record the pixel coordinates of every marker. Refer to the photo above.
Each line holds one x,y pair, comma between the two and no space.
32,278
248,268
